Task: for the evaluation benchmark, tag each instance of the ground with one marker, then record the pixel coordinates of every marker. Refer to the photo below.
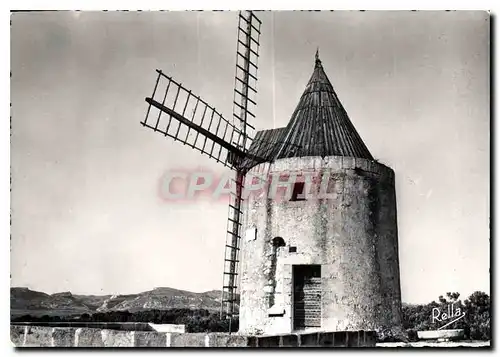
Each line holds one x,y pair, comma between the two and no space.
436,344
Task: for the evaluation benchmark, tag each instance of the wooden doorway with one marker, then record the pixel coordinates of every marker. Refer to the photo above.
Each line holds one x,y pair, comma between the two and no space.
306,296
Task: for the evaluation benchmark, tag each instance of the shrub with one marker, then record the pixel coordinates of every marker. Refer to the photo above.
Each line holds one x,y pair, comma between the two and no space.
476,322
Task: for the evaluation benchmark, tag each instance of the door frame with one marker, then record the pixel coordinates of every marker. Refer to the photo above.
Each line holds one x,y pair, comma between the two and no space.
294,274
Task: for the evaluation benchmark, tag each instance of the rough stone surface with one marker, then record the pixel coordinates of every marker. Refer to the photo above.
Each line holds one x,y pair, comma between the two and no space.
38,337
17,335
150,339
269,341
370,338
289,341
309,339
225,340
352,339
328,339
63,337
88,337
352,235
112,338
81,337
187,340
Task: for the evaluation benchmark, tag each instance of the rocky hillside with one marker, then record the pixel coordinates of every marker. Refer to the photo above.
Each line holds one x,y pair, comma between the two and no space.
24,301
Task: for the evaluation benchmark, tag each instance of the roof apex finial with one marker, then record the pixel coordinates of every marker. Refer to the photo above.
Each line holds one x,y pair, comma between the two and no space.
318,61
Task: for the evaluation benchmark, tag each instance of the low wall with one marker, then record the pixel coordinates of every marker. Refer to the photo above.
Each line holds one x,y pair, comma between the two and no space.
122,326
41,336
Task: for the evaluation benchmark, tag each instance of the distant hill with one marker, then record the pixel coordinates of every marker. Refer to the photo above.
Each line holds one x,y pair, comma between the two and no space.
24,301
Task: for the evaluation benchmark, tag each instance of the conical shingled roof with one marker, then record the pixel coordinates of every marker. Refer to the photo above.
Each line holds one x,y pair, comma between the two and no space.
319,125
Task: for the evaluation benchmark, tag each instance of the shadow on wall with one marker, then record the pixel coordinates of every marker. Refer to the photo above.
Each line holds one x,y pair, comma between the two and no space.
277,243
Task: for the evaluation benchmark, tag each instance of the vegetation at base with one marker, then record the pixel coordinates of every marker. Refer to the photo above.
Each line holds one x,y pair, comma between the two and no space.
416,317
195,320
475,323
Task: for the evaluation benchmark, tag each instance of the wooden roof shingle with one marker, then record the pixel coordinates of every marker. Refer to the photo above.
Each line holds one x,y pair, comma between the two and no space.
319,126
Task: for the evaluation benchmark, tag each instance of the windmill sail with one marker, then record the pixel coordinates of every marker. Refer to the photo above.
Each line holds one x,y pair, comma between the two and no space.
176,112
245,90
245,85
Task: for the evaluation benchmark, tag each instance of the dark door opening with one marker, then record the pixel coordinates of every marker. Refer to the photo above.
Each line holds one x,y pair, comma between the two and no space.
306,296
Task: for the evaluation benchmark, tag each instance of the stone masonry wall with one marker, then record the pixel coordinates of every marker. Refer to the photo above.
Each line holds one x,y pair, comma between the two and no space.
42,336
352,235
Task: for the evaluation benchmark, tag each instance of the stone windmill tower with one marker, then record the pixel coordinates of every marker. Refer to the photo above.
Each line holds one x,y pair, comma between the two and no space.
327,262
312,262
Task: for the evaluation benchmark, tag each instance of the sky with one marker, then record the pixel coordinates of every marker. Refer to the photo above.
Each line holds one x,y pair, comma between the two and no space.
87,216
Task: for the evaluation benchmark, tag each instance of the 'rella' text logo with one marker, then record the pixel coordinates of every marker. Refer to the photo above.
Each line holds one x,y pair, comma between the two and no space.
445,316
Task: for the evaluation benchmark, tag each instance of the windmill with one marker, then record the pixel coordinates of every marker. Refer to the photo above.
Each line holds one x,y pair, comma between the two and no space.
176,112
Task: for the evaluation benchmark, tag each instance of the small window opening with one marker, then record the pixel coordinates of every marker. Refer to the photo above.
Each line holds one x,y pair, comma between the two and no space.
292,249
278,242
298,192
